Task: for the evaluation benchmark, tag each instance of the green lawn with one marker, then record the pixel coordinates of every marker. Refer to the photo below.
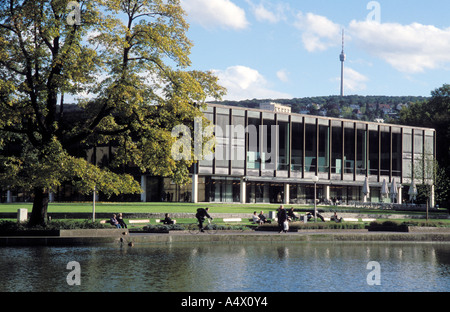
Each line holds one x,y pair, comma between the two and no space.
144,207
214,208
189,207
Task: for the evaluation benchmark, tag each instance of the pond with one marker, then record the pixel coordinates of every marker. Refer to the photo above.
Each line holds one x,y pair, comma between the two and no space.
229,267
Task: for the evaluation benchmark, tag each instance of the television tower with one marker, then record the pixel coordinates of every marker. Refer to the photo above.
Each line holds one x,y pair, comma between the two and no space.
342,58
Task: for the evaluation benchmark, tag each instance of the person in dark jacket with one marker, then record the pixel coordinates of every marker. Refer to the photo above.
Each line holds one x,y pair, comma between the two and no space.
114,221
201,214
168,220
282,216
291,214
121,221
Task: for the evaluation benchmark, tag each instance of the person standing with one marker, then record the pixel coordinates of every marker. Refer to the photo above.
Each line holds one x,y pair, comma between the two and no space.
282,217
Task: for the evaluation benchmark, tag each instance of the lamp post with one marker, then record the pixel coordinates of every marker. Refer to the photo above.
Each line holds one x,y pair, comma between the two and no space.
315,180
93,203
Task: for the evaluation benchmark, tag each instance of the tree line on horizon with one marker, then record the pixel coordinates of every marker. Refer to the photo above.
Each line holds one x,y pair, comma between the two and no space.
356,107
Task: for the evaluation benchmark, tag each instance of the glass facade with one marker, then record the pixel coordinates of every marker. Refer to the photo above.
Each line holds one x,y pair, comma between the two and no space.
275,153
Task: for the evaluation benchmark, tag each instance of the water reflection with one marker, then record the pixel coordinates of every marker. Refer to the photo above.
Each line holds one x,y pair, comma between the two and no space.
258,267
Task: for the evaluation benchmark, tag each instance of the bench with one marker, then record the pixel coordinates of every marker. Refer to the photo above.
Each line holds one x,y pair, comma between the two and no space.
350,219
232,220
369,220
343,219
129,221
159,221
139,221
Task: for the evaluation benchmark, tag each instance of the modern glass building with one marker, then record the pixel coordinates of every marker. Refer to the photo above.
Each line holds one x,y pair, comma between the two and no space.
270,155
264,156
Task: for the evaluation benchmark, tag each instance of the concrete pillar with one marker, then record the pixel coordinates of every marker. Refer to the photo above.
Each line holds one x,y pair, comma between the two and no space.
243,195
9,197
286,193
22,215
195,188
399,196
144,188
327,192
432,197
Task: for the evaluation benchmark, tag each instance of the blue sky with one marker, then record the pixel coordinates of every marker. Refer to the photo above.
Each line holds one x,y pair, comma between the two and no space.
290,49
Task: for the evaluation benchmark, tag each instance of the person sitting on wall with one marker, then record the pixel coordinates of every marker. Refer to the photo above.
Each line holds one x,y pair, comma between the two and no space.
168,220
291,214
336,218
256,219
263,218
121,221
114,221
309,215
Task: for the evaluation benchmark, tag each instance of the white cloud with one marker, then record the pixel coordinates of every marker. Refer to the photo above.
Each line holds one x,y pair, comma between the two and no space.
408,48
268,12
283,75
215,13
246,83
353,80
318,32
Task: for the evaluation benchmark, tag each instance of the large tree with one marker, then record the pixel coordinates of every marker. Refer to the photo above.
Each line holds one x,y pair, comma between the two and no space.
124,63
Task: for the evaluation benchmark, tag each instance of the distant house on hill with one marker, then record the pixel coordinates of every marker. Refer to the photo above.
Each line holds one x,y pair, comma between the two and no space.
275,107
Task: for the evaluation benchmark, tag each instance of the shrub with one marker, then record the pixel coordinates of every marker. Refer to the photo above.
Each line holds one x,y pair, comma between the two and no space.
162,228
11,226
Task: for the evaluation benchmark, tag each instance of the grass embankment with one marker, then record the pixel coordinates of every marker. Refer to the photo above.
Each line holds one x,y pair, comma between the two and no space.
216,208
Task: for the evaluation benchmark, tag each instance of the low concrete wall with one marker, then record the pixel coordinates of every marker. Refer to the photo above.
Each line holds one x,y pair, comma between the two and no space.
231,237
94,233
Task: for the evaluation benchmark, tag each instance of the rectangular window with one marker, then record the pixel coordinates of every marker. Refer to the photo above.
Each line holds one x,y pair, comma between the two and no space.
418,143
283,145
253,156
297,147
349,150
324,148
396,152
407,143
385,160
238,142
336,148
310,148
373,152
361,143
223,147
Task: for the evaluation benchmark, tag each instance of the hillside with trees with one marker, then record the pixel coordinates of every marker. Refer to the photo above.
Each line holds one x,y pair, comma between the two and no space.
367,108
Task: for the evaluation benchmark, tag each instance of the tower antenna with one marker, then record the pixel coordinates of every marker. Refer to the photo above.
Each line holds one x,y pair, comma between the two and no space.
342,58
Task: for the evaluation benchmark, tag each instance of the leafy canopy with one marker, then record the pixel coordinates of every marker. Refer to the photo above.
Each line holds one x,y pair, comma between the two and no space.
123,63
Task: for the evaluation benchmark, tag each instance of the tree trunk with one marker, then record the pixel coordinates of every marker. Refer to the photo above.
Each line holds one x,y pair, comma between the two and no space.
40,205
